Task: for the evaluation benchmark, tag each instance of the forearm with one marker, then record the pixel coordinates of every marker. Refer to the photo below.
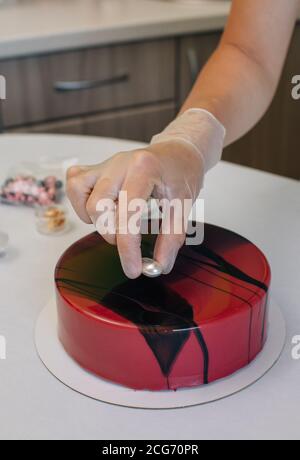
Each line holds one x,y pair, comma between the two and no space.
235,89
239,81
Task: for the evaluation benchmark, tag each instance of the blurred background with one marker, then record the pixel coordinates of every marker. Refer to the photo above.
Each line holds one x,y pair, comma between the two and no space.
122,68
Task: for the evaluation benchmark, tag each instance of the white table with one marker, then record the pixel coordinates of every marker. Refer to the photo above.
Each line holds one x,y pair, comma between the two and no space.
34,405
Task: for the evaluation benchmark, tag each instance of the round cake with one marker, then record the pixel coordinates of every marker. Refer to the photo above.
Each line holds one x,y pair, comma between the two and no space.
202,322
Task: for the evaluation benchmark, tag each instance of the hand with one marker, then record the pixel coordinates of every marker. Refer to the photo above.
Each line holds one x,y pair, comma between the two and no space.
171,170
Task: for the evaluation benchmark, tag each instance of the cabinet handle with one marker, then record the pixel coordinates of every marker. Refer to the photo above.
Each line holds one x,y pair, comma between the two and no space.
193,64
1,120
68,86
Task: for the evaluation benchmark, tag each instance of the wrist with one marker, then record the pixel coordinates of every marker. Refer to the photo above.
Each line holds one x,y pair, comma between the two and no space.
174,147
199,129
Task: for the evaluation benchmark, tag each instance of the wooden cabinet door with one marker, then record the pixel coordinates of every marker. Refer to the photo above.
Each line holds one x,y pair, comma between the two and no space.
73,83
135,124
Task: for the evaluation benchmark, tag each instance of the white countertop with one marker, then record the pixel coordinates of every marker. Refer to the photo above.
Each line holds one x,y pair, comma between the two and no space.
34,405
38,26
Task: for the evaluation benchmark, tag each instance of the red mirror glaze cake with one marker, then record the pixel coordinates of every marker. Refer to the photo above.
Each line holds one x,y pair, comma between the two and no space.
203,322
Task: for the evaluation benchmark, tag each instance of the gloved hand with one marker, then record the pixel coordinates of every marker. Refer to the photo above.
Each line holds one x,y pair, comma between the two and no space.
171,167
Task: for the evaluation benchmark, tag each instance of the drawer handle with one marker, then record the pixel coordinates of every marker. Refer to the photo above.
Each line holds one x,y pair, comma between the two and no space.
194,64
68,86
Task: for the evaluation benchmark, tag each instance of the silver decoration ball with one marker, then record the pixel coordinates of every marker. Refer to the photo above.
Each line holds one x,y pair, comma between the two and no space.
151,268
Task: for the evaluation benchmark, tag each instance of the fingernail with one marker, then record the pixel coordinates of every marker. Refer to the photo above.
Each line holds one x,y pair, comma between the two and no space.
132,272
131,269
169,265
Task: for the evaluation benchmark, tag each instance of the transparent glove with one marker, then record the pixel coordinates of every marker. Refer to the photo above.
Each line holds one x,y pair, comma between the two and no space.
171,167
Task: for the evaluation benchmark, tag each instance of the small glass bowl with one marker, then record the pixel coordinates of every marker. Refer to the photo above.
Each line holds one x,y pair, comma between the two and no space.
51,220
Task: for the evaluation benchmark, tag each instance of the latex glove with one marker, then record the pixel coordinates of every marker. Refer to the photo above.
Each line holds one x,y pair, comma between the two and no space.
172,166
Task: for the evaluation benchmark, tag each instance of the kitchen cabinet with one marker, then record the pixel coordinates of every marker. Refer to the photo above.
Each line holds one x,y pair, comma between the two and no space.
273,145
134,90
72,90
134,124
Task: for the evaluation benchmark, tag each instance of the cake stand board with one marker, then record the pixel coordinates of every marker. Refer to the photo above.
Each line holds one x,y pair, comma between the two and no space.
65,369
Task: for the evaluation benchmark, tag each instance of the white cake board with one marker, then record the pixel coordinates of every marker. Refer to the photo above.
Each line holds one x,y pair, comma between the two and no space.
71,374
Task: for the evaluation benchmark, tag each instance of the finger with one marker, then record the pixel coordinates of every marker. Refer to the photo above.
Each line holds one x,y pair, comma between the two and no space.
80,183
171,237
166,250
101,208
137,188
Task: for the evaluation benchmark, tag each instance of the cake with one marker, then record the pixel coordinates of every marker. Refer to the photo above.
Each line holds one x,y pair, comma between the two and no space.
204,321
